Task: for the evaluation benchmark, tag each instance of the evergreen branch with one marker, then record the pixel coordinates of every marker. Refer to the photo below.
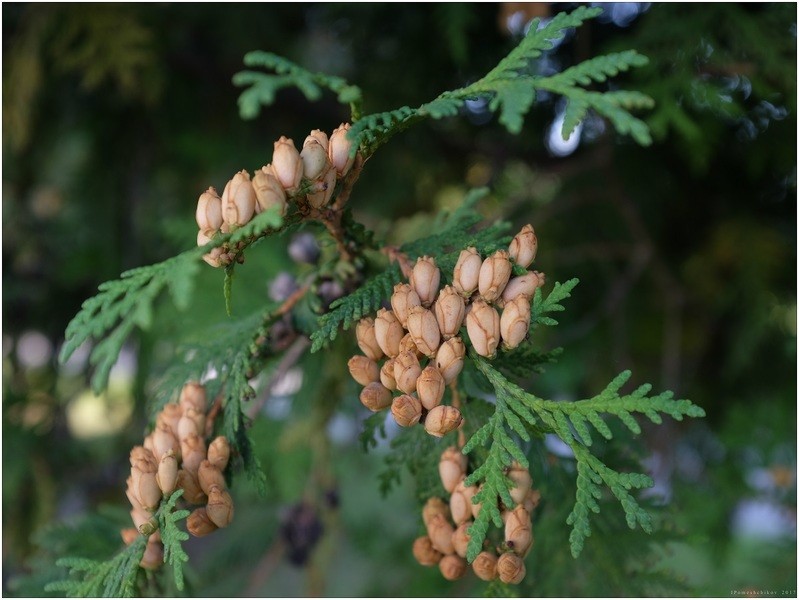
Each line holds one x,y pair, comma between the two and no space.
413,449
173,537
264,87
540,305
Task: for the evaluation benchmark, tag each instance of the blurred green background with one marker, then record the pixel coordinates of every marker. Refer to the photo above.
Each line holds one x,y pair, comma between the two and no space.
116,117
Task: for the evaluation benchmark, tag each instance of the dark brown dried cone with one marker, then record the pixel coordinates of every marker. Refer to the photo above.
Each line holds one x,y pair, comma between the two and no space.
363,369
460,503
442,419
153,556
406,371
375,397
510,568
209,476
524,246
485,566
388,332
406,410
452,567
424,553
430,387
387,375
199,524
365,335
452,467
518,531
220,506
460,538
440,533
434,506
192,491
193,395
219,452
521,477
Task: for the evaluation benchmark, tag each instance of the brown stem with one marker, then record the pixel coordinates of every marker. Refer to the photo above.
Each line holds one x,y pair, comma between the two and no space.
290,358
456,403
395,255
289,302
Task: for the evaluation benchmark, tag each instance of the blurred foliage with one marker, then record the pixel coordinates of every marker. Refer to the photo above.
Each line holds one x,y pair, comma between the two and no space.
117,116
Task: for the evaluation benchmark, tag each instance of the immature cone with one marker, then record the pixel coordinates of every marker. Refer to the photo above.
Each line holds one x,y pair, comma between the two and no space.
143,482
452,567
406,410
199,524
324,189
440,532
408,344
442,419
485,566
449,359
132,498
494,275
287,164
365,335
452,468
424,553
220,506
434,506
167,476
169,417
524,285
430,387
460,503
375,397
192,395
425,278
210,476
164,441
209,212
402,300
524,246
522,480
238,200
269,193
483,326
142,520
315,162
129,535
514,322
192,491
450,310
339,148
518,531
466,275
214,256
363,369
460,538
319,136
387,375
192,450
510,568
153,556
407,371
219,452
424,330
191,422
388,332
531,500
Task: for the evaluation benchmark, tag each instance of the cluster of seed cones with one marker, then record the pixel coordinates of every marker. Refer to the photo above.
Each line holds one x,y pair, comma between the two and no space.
447,527
175,456
423,326
308,176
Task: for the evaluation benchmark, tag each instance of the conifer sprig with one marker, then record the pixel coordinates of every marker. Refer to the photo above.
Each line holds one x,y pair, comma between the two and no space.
173,537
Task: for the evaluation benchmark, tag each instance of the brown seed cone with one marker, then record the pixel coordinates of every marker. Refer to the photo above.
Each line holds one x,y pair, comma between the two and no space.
317,135
192,491
209,476
167,476
209,212
440,532
238,201
338,150
387,375
145,488
199,524
315,162
365,335
407,344
460,502
425,278
460,538
450,311
449,359
375,397
424,553
406,371
164,442
452,468
142,520
514,322
219,452
510,568
268,191
494,275
192,449
220,506
129,535
406,410
452,567
442,419
434,506
169,417
363,369
325,186
187,425
466,275
482,323
524,285
524,246
518,531
423,327
532,500
430,387
193,395
522,480
402,300
287,164
388,332
153,556
485,566
144,458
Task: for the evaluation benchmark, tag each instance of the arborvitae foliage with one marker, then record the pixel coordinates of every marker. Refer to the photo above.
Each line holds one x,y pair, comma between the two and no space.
504,429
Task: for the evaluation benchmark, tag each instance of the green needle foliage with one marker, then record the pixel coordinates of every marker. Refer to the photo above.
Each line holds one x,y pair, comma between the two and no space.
173,537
